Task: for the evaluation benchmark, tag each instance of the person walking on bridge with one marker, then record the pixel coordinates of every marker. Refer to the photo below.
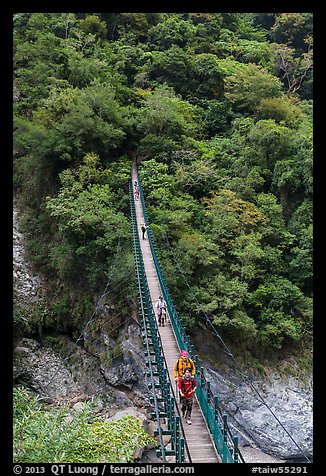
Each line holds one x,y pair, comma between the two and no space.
181,364
161,309
187,385
143,229
136,193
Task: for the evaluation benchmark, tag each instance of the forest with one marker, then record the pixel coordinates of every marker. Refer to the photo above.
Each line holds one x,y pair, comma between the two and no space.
217,107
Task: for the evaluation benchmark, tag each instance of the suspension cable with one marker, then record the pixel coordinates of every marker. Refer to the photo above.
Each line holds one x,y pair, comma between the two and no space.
228,352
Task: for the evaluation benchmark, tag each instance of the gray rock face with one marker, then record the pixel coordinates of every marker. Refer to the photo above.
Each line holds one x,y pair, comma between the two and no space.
275,414
55,378
42,370
26,284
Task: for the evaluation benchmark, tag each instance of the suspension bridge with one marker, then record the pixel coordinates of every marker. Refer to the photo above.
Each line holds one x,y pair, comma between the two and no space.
208,439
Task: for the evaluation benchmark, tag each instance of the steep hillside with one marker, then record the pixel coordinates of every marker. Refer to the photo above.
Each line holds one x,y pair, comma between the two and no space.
217,108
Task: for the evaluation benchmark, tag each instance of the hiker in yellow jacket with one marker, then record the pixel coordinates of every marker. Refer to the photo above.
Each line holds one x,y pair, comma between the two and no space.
182,364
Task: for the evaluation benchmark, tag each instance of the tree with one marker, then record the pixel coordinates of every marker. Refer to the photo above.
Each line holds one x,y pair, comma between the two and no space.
248,252
222,299
282,311
63,24
212,102
138,23
84,120
206,78
171,31
217,116
156,181
171,67
165,114
301,257
274,231
293,177
208,28
227,217
282,110
301,262
269,142
93,25
292,29
196,175
246,89
292,69
89,225
39,65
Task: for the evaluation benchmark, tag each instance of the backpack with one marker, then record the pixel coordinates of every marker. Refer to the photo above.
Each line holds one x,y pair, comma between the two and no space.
161,304
192,378
190,361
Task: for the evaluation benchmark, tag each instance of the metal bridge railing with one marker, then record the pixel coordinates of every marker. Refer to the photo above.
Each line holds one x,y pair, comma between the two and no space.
162,400
226,444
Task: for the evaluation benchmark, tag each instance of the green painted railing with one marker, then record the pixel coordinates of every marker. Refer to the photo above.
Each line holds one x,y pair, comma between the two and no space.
162,400
226,444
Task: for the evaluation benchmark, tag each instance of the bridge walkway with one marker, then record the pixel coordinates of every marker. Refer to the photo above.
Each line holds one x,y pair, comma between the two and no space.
199,440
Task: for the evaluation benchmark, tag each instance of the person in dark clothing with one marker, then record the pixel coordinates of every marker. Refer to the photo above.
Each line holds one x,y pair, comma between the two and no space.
143,229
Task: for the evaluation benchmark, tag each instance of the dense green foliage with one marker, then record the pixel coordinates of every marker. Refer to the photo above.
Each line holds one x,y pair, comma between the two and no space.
219,107
59,435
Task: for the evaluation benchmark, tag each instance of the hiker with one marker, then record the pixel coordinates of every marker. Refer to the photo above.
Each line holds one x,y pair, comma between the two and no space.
143,229
181,364
161,308
136,192
187,385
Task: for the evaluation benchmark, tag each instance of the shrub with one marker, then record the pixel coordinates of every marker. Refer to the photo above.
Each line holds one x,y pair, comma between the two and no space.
46,435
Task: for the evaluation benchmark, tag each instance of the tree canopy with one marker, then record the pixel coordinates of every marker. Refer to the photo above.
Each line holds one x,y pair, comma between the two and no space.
219,108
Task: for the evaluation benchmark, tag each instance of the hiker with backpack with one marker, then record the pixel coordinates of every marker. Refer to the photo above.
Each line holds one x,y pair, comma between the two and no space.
181,364
161,310
187,385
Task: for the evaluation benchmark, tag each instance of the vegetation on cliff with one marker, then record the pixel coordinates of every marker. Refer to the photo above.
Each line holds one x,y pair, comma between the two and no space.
219,108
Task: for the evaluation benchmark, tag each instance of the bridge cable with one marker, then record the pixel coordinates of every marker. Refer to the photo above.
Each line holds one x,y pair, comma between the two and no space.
228,352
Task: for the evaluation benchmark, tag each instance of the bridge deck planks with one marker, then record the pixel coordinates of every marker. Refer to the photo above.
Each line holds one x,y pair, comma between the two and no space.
200,444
